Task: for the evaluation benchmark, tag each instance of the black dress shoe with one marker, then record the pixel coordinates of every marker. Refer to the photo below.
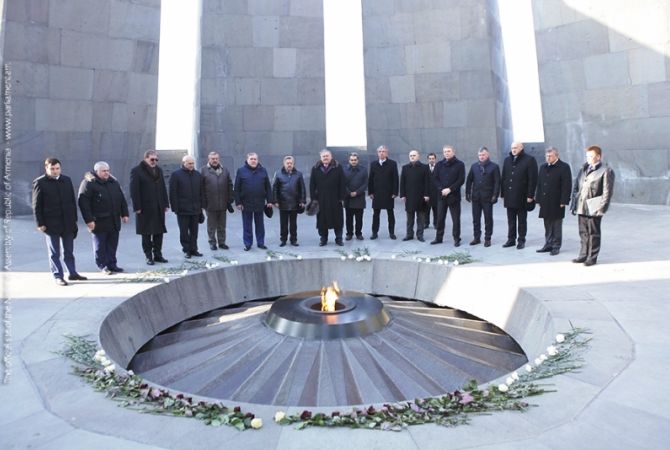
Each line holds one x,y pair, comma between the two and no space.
374,236
520,245
212,246
579,259
339,242
420,239
457,242
509,244
196,253
77,277
475,242
392,236
295,243
282,244
590,262
116,269
150,261
436,241
60,282
322,243
262,246
187,255
159,259
359,237
544,250
487,243
407,238
349,237
554,252
224,247
247,248
106,271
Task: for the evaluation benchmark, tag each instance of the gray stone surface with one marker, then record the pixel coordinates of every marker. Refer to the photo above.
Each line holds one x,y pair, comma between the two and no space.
429,56
80,70
606,84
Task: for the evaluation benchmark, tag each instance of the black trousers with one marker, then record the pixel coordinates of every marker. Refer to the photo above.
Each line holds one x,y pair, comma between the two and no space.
455,212
288,222
188,232
432,206
152,243
420,223
477,209
517,218
104,248
589,235
553,233
354,215
375,220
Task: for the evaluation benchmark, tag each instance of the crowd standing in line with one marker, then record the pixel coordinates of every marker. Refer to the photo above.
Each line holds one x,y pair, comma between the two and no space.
333,191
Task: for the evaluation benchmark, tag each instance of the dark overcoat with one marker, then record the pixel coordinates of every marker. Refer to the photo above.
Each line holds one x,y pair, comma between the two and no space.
519,180
414,186
148,194
252,188
554,187
450,173
483,182
102,201
186,192
328,187
217,188
356,181
383,183
54,205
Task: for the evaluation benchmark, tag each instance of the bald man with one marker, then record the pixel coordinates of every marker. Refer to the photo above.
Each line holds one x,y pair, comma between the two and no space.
186,203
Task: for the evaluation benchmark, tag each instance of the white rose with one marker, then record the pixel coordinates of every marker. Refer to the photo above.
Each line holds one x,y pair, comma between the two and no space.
537,361
269,258
393,256
368,258
503,387
440,262
256,423
456,263
281,256
529,368
509,381
279,416
110,368
543,357
515,375
131,373
350,256
166,279
343,258
359,258
552,351
560,338
234,262
299,257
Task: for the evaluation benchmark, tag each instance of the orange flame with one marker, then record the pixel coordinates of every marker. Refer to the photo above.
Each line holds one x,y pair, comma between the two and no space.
329,296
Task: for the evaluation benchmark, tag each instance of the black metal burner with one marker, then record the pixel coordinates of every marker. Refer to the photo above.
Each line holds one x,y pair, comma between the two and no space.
299,315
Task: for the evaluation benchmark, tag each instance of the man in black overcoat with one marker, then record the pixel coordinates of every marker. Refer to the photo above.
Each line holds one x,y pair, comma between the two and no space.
383,189
103,208
554,187
327,185
414,181
186,203
482,188
517,188
449,177
354,203
150,203
55,213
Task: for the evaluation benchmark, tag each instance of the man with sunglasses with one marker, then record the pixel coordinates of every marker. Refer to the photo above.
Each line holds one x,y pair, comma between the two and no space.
150,203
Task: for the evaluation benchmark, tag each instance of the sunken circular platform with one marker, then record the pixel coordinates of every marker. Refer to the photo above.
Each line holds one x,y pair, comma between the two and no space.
209,334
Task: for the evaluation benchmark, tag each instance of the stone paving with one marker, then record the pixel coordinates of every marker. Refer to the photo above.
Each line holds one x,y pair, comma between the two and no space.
619,400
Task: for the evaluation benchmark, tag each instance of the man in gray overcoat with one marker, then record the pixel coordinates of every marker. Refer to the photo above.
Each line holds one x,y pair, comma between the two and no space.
217,198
